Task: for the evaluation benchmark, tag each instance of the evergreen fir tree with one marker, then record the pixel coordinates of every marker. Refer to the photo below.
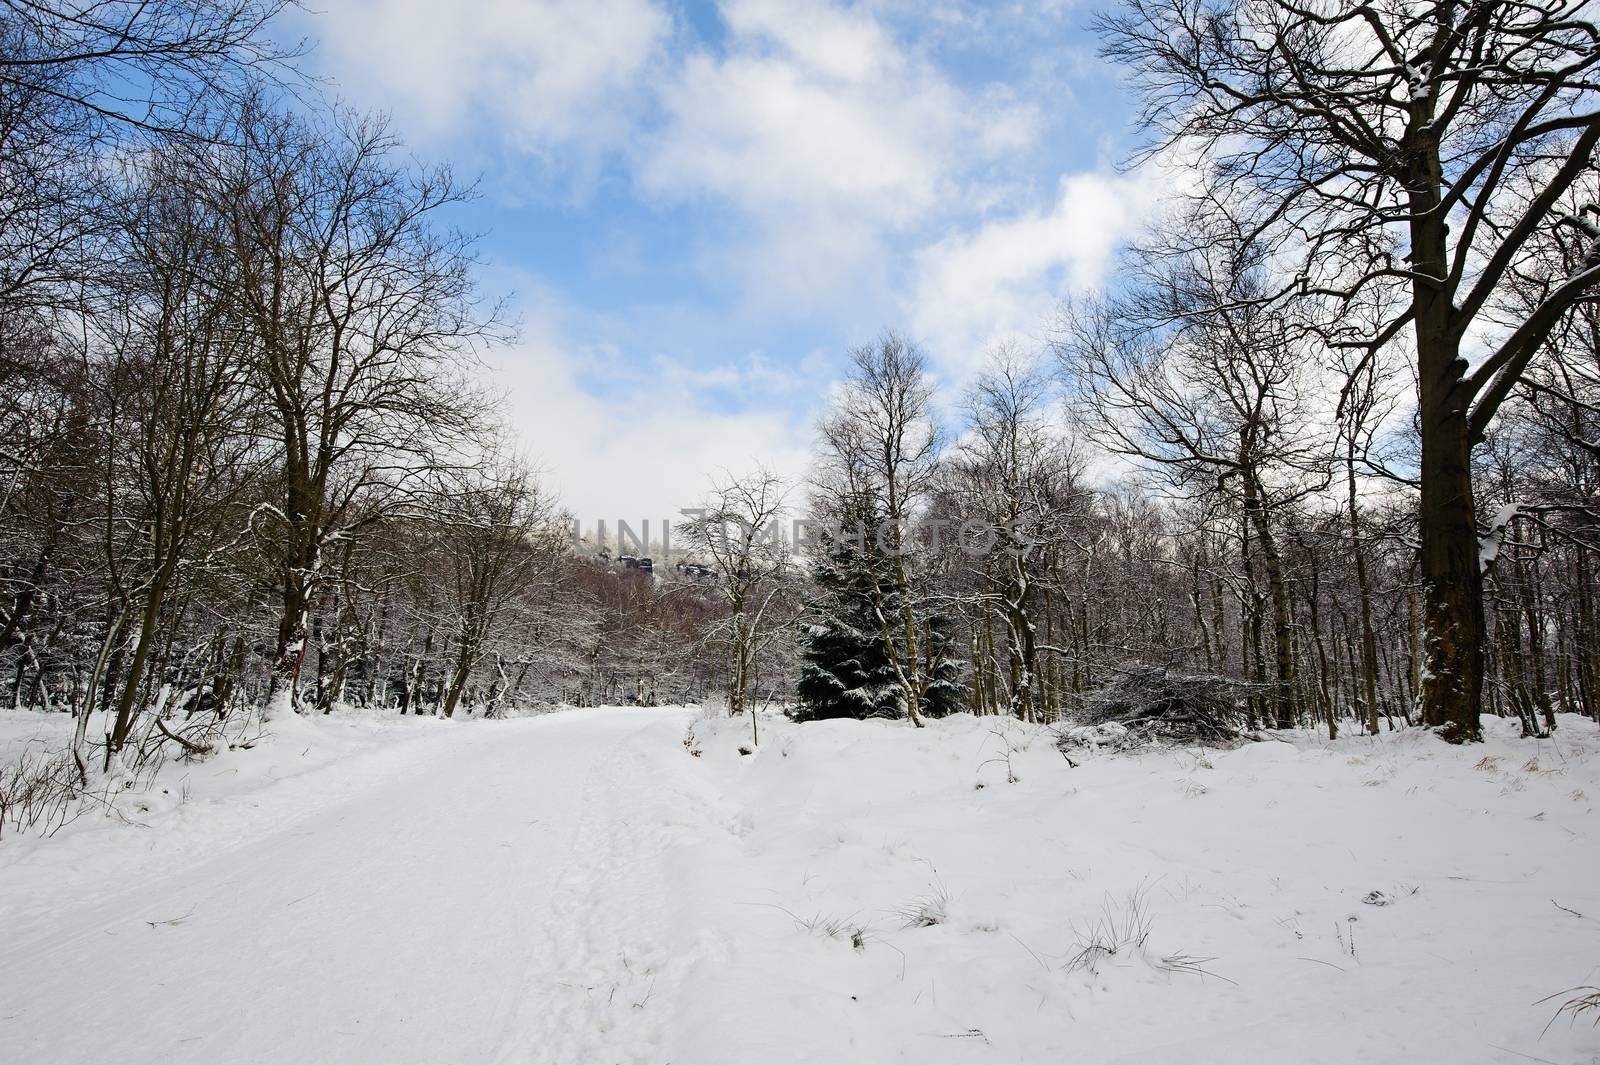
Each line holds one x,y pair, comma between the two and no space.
845,670
947,691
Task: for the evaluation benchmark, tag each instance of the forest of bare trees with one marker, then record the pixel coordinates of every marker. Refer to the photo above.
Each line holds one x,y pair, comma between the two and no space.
1329,435
248,460
1329,432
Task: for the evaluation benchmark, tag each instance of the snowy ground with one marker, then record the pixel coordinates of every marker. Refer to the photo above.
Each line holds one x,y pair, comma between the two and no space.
612,886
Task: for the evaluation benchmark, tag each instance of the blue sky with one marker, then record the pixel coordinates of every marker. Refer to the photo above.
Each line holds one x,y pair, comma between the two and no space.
699,207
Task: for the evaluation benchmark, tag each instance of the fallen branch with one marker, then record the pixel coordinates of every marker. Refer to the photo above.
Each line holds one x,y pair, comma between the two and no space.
186,744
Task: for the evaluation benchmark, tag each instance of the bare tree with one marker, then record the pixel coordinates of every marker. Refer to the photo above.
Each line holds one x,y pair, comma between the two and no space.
1389,145
1193,372
501,541
78,80
182,356
363,309
1012,477
881,441
143,63
738,528
1365,408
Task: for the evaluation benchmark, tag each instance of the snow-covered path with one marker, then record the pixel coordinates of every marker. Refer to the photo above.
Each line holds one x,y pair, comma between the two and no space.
650,887
403,915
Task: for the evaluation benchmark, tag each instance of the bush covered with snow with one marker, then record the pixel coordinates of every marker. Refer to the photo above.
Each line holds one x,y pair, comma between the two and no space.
1158,704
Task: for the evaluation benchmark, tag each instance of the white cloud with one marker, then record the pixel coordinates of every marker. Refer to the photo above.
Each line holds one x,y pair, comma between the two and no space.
829,137
644,444
812,108
543,74
1002,278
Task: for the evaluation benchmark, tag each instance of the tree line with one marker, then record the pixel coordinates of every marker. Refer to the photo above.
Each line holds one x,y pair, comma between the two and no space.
1328,434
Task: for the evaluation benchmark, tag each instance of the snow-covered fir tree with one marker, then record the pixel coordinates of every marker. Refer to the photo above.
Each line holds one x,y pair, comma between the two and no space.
845,668
947,687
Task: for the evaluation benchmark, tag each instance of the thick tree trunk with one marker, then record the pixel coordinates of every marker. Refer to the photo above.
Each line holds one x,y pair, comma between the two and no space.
291,647
1020,638
458,681
299,580
1452,580
472,631
1452,584
1452,577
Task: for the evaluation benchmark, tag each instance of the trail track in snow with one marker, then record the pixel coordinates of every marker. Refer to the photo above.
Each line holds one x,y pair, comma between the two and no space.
463,898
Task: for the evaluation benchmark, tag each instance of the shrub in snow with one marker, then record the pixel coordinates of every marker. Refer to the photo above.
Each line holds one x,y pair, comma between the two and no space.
1124,930
37,793
924,911
841,928
1155,703
928,910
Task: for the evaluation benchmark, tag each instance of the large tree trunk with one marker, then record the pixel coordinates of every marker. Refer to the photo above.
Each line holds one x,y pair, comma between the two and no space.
291,640
473,629
1020,637
1452,579
458,681
300,574
1452,583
